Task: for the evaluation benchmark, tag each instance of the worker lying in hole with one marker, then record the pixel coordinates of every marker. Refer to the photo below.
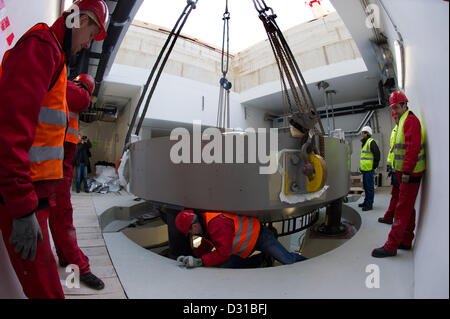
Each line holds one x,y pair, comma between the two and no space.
234,238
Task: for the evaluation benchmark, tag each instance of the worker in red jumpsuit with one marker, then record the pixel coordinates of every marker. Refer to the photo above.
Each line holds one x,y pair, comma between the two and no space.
410,165
33,122
78,94
234,238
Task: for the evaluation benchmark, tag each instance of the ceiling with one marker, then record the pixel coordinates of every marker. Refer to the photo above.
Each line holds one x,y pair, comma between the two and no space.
118,94
354,87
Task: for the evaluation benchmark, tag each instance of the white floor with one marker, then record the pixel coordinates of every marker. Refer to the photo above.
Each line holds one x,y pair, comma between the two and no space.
340,273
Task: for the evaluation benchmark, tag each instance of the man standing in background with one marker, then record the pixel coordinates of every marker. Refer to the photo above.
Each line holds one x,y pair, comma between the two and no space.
370,158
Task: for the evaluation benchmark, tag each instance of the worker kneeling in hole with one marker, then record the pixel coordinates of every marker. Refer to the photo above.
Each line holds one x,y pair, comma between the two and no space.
234,239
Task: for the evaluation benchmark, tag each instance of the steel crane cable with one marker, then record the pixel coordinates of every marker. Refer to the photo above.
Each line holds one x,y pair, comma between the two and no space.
284,88
226,34
284,60
223,110
173,36
280,55
288,67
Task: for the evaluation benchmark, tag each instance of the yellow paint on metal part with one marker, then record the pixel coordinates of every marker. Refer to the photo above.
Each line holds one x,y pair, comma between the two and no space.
319,178
287,181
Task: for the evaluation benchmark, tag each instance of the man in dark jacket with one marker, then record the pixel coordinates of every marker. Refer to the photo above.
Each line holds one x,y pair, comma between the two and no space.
370,158
81,162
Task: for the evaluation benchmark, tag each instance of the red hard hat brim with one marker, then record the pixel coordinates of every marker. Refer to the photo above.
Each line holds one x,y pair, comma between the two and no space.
101,36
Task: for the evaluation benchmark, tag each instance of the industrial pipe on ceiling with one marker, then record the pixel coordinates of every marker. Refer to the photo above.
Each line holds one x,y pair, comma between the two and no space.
120,19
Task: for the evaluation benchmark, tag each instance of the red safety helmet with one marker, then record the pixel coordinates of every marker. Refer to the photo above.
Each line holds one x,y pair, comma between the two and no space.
184,220
98,11
314,1
397,97
88,82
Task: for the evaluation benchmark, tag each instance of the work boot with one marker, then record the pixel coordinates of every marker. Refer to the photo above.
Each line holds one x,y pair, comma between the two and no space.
92,281
384,221
361,205
404,247
381,253
366,208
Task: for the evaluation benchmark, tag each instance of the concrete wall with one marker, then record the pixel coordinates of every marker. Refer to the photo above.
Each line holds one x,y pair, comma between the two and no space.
424,27
315,44
189,59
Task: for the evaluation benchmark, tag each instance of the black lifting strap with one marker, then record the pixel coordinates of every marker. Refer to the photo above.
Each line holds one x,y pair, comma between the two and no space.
306,117
173,34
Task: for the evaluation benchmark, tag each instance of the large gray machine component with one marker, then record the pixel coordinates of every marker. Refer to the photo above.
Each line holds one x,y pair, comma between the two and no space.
234,188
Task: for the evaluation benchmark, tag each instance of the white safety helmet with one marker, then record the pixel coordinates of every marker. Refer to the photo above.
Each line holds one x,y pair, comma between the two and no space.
367,129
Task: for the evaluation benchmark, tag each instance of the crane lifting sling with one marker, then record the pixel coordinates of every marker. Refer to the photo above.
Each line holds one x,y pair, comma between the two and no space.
158,68
305,116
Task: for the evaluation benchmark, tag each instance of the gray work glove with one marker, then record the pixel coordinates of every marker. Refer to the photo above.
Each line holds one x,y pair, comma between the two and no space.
180,259
405,178
25,234
192,262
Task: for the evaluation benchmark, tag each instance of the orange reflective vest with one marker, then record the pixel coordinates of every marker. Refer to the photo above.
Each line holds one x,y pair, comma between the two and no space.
46,154
73,134
246,232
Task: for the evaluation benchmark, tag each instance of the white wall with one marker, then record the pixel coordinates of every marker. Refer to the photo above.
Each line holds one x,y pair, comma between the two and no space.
23,14
179,99
424,26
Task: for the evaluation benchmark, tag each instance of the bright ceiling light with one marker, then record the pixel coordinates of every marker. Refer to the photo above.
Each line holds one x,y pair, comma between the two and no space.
400,63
